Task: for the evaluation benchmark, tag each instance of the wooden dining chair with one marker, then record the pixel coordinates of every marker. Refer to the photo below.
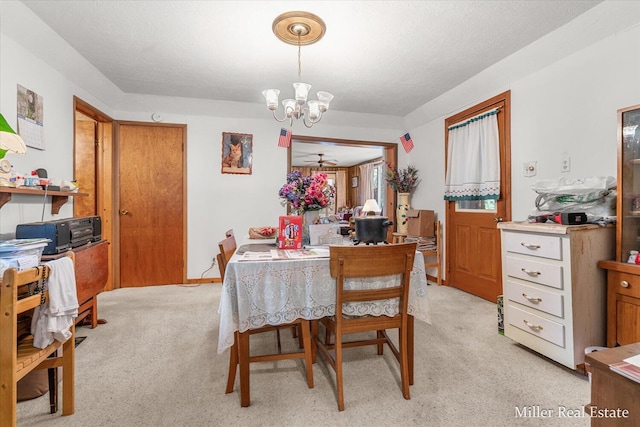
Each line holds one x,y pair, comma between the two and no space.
227,248
18,356
355,262
435,253
301,325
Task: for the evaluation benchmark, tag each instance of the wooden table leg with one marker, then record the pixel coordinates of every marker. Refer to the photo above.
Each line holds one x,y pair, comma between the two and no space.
243,359
410,345
94,313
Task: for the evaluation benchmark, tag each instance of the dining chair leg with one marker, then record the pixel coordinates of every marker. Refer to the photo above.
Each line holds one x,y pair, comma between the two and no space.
339,379
68,373
410,345
233,365
52,375
380,335
243,359
327,336
298,334
404,363
314,346
305,331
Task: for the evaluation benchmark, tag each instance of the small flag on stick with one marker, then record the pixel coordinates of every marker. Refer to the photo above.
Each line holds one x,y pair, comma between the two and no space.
407,143
285,138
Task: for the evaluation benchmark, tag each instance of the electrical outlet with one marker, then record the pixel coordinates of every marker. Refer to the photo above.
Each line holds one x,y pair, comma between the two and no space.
530,168
566,163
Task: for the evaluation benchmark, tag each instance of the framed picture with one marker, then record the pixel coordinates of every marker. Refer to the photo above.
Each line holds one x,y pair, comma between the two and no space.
354,181
237,153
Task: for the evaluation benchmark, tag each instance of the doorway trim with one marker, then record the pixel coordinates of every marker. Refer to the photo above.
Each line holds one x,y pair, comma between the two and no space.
390,154
104,176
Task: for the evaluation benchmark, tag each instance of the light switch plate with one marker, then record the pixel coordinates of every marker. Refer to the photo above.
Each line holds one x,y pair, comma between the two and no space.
566,163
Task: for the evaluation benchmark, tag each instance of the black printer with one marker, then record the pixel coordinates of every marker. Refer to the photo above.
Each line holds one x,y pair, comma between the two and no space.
64,234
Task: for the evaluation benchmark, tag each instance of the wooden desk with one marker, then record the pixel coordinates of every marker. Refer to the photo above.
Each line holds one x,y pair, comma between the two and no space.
92,271
611,392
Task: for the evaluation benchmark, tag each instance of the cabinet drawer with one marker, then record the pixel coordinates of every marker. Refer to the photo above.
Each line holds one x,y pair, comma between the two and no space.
534,297
533,271
534,244
536,325
616,279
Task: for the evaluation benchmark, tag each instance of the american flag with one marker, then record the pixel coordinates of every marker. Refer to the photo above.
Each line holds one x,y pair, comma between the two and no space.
407,143
285,138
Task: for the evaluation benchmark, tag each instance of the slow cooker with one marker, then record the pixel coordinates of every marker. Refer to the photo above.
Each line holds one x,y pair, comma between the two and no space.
371,229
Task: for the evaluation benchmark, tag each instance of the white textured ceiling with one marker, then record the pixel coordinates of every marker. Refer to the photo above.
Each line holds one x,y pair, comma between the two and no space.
384,57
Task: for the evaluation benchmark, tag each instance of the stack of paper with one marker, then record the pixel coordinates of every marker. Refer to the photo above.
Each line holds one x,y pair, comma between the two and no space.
629,367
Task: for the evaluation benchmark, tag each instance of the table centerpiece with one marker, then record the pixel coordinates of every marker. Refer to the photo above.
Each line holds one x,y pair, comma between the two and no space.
306,196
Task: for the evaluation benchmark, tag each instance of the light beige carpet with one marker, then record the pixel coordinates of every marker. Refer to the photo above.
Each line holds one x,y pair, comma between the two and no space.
155,364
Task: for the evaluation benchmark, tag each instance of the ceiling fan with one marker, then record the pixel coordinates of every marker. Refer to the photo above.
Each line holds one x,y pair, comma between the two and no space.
321,162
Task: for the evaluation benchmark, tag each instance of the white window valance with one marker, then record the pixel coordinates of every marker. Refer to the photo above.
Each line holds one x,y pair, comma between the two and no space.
473,159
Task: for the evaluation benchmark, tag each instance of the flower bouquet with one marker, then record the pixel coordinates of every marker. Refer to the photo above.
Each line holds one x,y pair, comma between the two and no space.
306,193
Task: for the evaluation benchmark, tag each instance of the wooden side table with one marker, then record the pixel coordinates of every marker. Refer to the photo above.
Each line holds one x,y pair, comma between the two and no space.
398,237
612,393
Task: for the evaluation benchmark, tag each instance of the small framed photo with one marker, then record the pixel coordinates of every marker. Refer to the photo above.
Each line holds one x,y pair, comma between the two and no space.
354,181
237,153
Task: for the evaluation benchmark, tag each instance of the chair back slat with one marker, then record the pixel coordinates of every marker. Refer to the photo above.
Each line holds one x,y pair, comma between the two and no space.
27,303
372,261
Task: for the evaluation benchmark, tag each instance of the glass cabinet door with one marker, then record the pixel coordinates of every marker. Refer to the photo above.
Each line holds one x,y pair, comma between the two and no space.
628,215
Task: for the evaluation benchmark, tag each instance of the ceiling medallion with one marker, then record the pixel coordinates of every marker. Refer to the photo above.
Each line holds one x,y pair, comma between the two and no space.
310,27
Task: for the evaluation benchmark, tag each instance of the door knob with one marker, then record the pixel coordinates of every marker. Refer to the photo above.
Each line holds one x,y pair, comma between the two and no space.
499,219
124,212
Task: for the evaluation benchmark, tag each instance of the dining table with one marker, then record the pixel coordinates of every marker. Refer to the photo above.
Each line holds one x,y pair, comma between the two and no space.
267,291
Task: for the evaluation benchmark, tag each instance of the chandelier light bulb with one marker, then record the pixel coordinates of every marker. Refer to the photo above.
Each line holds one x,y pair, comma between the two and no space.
301,91
271,96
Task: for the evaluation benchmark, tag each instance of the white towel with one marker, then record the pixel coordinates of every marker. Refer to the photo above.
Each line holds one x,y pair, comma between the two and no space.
62,287
53,319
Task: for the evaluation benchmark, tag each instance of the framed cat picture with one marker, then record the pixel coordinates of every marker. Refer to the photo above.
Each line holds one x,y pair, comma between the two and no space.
237,153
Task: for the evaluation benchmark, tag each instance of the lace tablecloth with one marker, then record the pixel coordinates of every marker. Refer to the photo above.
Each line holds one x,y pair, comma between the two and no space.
259,293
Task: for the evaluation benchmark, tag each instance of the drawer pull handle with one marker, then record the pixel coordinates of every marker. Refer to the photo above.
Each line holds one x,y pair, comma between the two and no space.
624,284
530,245
532,299
532,326
530,272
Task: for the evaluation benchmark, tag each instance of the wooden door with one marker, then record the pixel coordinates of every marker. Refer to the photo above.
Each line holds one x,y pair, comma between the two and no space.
473,239
152,204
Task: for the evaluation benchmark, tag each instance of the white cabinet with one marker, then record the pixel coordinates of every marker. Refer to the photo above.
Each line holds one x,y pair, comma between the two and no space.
554,292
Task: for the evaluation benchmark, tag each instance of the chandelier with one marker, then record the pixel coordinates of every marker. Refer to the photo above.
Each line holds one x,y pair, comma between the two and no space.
299,28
